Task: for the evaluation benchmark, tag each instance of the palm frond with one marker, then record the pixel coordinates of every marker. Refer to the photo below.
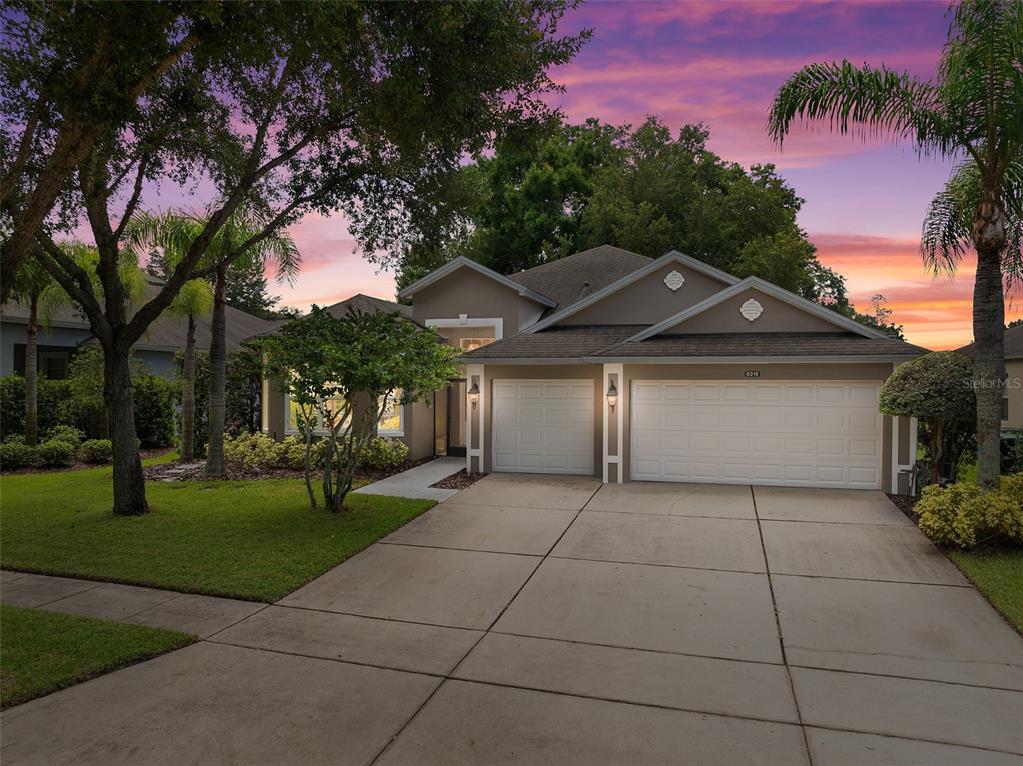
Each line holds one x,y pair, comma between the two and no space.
872,101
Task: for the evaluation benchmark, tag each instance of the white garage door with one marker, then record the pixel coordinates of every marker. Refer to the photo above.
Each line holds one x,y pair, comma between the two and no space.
786,433
543,426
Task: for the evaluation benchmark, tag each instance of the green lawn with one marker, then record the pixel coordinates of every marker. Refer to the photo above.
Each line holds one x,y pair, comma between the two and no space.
999,576
46,651
245,539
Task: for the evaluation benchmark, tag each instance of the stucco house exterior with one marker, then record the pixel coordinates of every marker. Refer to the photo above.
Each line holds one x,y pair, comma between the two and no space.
612,364
1012,403
60,338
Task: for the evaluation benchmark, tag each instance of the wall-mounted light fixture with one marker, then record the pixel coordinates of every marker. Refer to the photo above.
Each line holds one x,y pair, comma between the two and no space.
474,394
612,396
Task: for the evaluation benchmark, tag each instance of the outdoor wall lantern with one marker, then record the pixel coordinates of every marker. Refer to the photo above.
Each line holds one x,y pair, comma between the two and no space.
612,396
474,394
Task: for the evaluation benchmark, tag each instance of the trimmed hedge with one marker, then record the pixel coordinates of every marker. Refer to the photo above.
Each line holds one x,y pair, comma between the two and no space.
50,396
97,451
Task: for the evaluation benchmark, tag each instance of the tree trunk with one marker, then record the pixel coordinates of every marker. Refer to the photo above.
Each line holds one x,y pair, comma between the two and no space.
989,335
188,395
32,374
218,376
129,481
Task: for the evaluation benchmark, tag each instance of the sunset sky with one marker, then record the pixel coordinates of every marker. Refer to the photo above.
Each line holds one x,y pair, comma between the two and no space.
720,63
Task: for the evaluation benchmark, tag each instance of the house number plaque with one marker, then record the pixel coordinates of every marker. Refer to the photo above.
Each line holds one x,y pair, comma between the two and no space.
752,373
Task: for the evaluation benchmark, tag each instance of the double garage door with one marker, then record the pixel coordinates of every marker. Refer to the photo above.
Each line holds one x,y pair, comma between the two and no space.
795,433
784,433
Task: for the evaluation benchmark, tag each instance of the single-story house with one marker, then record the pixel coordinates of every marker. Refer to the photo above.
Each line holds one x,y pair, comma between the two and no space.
60,338
611,364
1012,403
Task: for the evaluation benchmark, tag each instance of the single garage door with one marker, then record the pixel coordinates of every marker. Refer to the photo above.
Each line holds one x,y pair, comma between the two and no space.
543,426
812,434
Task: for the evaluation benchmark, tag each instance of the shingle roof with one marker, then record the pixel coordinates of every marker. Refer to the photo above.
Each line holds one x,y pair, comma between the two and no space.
560,341
167,332
1013,343
808,344
368,304
609,341
572,278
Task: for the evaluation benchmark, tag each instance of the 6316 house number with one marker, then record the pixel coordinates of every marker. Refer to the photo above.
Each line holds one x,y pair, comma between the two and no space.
752,373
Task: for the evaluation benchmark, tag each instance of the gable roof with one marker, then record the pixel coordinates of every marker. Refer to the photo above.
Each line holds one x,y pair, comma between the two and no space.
462,262
774,291
1013,343
368,304
575,277
673,256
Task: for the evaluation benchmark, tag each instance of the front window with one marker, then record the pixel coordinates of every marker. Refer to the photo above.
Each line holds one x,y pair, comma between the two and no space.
391,413
469,344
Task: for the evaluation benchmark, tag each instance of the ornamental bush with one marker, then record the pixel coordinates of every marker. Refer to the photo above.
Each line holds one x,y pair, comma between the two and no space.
66,433
965,515
382,454
49,397
154,410
14,455
254,451
97,451
57,453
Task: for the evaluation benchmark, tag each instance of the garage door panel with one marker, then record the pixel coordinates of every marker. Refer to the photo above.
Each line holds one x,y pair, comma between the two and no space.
814,434
543,426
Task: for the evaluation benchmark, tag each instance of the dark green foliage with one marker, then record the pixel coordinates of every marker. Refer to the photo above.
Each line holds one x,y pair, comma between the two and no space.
52,394
154,410
243,392
57,453
96,450
383,454
937,389
14,455
66,433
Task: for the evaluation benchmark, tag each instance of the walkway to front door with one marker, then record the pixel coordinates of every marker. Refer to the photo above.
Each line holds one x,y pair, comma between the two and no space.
552,620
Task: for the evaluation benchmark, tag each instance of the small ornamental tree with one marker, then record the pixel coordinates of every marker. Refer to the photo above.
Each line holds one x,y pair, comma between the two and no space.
342,371
937,389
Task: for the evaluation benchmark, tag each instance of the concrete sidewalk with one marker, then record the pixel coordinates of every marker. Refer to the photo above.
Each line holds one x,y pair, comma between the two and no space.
416,482
190,613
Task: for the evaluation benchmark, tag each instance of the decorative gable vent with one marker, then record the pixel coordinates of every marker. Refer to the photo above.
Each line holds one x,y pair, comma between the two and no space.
751,309
673,280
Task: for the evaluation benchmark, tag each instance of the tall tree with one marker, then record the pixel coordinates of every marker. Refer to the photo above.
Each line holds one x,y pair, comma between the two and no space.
195,300
248,289
300,107
973,109
31,283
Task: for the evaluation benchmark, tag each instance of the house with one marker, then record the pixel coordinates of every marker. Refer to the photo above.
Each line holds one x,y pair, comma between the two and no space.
1012,403
60,338
612,364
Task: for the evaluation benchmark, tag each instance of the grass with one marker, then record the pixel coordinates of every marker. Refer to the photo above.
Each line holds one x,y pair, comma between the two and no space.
998,574
256,540
46,651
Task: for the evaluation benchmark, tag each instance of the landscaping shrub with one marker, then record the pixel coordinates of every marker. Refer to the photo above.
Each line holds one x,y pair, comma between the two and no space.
49,396
57,452
242,397
97,451
382,454
66,433
14,455
254,451
965,515
154,410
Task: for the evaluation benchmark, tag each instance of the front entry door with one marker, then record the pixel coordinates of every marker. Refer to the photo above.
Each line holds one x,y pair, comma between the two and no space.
456,418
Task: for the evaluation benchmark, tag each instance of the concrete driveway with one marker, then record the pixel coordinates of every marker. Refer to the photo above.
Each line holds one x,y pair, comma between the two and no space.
549,620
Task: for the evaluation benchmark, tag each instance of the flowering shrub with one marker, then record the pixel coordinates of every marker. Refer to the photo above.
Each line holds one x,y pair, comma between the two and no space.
964,515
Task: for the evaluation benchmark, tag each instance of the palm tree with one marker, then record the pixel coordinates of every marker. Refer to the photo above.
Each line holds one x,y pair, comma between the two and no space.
239,241
193,301
972,111
31,284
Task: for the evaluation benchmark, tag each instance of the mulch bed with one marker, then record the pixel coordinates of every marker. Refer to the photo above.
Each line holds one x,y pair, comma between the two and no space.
905,504
78,465
459,480
196,471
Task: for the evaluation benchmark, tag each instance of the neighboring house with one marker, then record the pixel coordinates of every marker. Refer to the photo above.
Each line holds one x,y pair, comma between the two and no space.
60,339
1012,404
611,364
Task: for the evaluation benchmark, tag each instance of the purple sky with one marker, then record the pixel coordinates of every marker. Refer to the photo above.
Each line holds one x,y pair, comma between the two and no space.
720,63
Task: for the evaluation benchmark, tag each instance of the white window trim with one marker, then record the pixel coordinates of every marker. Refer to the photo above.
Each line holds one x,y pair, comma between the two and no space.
463,320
